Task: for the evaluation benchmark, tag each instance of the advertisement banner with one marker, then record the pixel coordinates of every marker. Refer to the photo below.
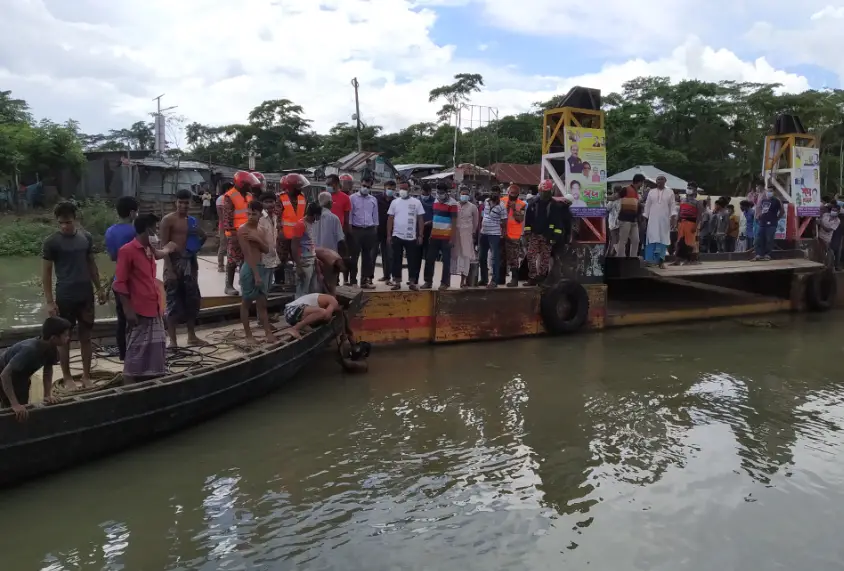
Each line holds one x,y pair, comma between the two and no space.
586,170
806,181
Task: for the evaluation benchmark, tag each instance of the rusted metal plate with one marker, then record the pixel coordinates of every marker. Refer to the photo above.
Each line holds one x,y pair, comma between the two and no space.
395,317
486,314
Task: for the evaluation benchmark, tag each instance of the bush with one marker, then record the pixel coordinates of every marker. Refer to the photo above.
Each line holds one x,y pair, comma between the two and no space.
24,235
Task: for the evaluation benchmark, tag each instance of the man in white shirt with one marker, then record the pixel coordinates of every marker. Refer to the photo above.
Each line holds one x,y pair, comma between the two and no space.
405,224
661,214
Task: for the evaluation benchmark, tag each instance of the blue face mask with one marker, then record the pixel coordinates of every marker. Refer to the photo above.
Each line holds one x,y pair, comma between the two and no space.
389,192
364,190
769,194
464,198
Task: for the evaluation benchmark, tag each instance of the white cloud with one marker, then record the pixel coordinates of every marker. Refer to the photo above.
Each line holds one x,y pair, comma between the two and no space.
101,62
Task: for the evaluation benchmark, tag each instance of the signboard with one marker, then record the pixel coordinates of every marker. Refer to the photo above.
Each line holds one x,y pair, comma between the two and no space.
586,171
806,181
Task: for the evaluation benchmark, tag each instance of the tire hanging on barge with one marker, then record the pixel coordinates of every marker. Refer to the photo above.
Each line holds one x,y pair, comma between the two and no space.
821,290
564,307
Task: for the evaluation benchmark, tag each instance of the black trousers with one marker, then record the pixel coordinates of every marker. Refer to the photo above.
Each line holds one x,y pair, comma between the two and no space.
414,259
435,247
121,328
364,246
386,253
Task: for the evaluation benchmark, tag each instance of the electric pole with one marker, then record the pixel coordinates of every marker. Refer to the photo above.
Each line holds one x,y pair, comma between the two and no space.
160,126
355,84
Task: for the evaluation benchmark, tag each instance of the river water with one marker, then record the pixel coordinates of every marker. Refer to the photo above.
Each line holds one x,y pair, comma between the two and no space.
709,446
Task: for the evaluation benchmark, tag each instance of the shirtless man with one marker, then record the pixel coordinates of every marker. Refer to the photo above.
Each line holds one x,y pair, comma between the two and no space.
181,270
330,266
255,278
310,309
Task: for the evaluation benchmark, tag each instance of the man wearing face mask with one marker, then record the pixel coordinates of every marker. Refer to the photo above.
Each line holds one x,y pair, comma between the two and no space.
515,226
341,206
547,222
466,232
493,226
364,223
384,200
428,204
442,237
769,213
687,239
405,225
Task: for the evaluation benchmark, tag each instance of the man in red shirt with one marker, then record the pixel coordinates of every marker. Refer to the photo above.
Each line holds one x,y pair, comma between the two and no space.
135,283
341,207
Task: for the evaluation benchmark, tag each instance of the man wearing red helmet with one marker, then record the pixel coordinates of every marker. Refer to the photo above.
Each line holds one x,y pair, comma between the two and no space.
235,215
262,181
547,222
292,204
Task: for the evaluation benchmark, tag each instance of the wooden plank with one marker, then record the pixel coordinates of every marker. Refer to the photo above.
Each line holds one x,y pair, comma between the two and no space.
486,314
732,267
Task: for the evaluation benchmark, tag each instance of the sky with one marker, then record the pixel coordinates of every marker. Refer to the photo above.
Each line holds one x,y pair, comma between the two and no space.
101,62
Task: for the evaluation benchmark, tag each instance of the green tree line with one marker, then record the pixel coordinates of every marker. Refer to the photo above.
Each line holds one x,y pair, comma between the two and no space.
711,132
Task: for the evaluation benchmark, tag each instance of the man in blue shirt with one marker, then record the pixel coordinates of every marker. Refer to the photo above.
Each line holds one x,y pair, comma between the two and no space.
428,205
116,237
769,214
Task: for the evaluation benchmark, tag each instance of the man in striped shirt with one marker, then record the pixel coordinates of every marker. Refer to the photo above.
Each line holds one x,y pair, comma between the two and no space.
442,237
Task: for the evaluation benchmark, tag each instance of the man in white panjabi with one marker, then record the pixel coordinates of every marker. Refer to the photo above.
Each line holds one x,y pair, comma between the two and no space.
660,212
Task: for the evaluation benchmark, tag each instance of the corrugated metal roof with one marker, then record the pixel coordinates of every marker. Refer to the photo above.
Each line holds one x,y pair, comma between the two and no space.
354,161
651,173
526,175
439,175
169,164
417,166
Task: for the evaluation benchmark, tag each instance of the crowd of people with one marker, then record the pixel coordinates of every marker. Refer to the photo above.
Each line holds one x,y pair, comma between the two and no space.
653,221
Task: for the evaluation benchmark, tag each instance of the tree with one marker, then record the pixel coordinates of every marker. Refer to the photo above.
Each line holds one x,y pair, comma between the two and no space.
456,94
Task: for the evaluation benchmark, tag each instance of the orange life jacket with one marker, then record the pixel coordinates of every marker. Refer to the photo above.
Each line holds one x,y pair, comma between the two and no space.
514,228
241,213
289,216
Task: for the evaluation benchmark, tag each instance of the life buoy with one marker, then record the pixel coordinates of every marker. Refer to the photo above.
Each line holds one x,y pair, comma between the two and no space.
821,290
564,307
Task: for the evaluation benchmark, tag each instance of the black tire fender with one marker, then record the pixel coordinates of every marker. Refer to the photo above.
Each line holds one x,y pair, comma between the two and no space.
564,307
821,290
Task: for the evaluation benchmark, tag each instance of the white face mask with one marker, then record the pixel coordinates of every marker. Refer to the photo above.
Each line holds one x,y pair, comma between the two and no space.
403,193
364,190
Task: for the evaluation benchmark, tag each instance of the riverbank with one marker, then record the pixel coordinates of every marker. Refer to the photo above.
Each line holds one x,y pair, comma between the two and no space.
23,234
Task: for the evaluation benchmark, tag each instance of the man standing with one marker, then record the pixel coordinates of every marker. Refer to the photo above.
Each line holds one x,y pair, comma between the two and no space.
493,226
466,231
770,212
628,219
341,205
269,227
547,222
71,252
181,268
687,242
134,284
116,237
235,204
661,213
23,359
254,276
513,237
384,201
304,251
293,204
328,231
364,222
428,204
206,203
405,223
442,237
221,233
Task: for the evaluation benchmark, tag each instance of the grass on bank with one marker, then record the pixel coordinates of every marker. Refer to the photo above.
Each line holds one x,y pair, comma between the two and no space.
23,235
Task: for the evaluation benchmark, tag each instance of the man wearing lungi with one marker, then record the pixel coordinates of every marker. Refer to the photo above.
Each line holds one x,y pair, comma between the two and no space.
181,270
255,277
134,282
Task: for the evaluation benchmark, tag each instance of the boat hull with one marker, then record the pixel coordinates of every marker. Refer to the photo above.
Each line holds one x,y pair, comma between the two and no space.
59,436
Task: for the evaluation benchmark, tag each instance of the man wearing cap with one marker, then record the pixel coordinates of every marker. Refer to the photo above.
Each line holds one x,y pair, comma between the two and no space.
661,214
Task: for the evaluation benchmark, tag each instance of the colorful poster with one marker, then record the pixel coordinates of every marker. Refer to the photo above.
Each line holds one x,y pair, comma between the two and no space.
586,171
806,181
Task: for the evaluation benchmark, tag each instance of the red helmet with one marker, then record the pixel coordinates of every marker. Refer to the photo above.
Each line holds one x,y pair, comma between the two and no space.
262,181
296,180
547,184
345,177
245,180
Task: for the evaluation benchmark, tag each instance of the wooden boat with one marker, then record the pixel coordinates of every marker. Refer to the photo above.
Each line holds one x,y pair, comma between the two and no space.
87,425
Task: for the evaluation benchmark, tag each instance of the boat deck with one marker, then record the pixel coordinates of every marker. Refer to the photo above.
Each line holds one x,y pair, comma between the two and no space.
225,342
732,267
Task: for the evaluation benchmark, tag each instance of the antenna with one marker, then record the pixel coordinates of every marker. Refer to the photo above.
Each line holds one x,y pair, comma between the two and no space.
160,135
355,84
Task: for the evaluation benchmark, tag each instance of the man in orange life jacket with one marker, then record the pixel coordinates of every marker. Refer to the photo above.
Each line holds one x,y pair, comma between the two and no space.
515,226
292,210
235,215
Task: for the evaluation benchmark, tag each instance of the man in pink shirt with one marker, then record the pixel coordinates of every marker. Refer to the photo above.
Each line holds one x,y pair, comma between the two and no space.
135,283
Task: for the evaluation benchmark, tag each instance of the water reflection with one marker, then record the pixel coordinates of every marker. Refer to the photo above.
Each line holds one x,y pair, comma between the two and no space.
680,448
